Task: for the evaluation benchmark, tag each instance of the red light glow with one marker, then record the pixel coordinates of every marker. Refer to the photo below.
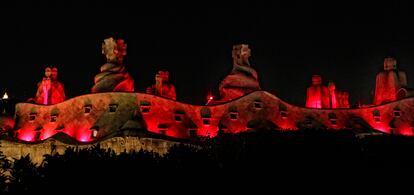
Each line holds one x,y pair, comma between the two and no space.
26,135
84,136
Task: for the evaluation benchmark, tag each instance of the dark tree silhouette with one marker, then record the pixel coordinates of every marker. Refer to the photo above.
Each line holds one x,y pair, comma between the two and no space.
256,161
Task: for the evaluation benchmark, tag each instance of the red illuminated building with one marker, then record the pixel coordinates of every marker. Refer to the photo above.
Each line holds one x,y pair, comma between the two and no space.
114,107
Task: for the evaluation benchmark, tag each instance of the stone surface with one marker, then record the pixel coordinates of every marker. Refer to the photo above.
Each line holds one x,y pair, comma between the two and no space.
77,117
242,79
118,112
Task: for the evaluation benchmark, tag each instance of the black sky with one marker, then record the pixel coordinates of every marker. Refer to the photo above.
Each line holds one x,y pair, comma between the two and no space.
290,41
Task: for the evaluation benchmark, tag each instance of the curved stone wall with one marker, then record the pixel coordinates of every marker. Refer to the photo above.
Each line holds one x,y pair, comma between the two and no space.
92,117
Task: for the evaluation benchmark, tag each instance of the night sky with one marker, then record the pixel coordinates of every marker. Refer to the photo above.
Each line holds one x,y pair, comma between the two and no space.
290,41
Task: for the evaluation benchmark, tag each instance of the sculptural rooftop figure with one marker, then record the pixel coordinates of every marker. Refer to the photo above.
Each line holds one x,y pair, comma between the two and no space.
162,86
331,86
113,76
54,73
114,51
162,76
242,79
241,54
48,72
389,82
390,63
316,79
50,90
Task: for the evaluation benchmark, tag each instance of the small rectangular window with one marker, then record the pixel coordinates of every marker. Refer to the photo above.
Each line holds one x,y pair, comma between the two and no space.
258,105
32,116
53,118
178,117
283,114
94,133
145,109
87,109
234,115
206,121
95,130
397,113
113,107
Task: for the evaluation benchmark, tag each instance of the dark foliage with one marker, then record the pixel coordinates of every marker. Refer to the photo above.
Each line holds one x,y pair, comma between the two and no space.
4,170
256,162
